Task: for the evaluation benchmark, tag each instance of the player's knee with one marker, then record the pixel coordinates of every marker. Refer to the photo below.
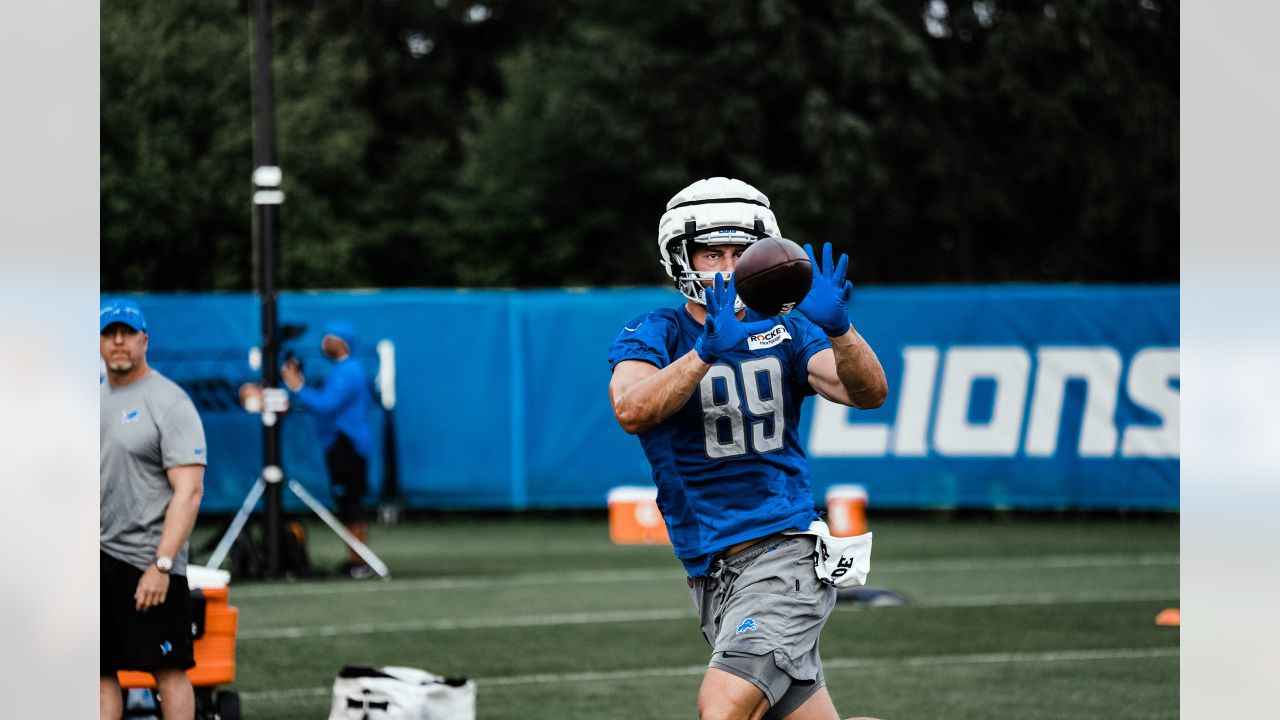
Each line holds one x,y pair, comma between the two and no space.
172,677
714,712
718,708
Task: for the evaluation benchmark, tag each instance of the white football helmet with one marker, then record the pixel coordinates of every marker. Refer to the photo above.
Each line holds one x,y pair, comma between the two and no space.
715,211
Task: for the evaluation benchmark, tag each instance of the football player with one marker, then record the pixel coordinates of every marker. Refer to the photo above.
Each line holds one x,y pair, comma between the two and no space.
714,391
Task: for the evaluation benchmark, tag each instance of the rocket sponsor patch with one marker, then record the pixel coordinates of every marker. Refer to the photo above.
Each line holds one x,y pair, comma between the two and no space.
768,339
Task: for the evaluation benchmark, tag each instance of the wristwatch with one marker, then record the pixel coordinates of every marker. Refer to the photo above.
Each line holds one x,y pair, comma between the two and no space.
164,564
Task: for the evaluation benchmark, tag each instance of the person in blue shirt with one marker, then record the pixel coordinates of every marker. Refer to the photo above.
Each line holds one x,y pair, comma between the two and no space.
713,390
341,412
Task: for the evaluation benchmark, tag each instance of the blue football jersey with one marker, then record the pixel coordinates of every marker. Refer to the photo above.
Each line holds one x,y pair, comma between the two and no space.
728,464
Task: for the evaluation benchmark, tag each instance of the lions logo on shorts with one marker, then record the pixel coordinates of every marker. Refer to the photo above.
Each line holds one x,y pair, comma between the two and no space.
745,625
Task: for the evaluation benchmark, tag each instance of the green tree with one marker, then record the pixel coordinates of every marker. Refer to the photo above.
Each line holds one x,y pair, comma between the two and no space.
943,141
521,144
371,99
176,150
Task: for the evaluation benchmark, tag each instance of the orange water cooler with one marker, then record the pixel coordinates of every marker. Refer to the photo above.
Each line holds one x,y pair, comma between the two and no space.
847,510
214,623
634,518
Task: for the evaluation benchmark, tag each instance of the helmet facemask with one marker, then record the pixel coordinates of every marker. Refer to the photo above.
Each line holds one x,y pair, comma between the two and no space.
693,283
714,211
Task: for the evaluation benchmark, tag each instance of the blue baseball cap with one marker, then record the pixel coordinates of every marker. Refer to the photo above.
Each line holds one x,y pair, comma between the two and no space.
342,330
121,311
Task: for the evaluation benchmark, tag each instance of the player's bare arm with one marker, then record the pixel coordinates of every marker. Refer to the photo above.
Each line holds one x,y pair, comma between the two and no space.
849,373
188,487
643,396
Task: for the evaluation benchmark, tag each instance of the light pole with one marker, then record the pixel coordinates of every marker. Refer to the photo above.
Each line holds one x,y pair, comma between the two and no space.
267,197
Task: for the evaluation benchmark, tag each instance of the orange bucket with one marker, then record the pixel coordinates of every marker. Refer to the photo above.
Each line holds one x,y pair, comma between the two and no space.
634,518
847,510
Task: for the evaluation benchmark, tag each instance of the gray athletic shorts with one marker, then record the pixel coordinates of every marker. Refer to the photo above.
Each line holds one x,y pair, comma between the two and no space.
762,611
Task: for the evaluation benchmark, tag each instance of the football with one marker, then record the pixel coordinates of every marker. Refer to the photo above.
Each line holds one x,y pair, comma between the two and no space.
773,276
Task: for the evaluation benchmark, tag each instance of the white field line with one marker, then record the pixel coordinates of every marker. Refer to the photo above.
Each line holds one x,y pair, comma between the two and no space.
828,664
621,616
621,576
1032,563
339,587
1035,598
509,621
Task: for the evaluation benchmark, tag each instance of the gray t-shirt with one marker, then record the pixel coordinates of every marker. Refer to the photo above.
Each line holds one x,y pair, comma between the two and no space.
147,426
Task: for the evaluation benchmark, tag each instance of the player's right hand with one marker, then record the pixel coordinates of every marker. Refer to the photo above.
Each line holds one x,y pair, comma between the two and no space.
153,586
722,332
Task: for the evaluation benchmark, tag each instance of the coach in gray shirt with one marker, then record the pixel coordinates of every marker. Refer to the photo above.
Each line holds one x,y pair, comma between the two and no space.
152,477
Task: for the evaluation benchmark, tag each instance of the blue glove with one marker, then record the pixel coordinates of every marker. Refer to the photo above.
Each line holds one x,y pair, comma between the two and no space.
827,304
722,332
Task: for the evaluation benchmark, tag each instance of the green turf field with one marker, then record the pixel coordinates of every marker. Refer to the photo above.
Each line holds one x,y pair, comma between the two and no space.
1009,618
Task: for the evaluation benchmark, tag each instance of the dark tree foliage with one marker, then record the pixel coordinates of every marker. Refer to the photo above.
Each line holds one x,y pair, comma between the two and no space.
535,144
176,152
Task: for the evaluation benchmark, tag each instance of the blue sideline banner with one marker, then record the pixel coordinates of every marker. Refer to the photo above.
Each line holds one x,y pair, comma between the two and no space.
1032,397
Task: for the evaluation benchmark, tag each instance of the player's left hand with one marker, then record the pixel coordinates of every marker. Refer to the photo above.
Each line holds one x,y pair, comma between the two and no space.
153,586
827,304
292,376
723,332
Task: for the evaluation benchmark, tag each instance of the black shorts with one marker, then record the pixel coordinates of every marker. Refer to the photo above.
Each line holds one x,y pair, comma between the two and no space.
157,639
347,471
